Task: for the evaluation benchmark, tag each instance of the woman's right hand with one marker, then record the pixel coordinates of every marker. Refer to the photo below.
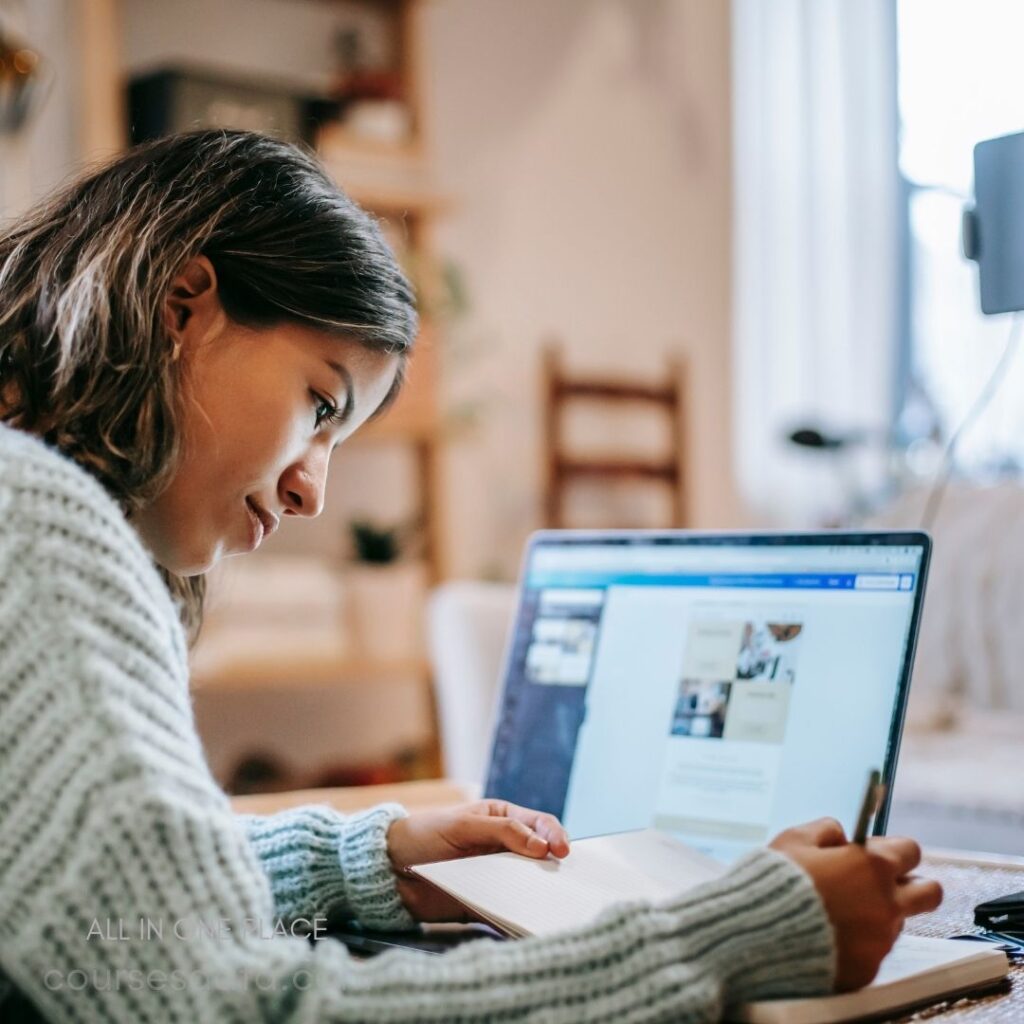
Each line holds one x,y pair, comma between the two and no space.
867,892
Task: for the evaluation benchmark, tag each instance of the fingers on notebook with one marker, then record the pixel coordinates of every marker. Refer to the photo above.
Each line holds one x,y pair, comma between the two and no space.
547,826
550,828
918,895
490,834
901,854
525,840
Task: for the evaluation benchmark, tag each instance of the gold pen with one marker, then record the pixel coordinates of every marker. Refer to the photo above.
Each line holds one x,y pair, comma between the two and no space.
873,794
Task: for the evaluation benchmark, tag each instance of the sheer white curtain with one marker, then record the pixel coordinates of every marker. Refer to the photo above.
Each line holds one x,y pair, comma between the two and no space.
816,233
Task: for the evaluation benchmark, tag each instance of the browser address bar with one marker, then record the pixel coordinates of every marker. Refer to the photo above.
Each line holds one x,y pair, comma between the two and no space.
877,581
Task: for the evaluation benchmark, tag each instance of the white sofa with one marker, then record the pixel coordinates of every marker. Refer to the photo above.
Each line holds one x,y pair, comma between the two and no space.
468,623
957,783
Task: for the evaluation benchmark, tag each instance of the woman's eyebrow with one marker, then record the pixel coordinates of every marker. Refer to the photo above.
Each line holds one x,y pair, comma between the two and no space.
346,379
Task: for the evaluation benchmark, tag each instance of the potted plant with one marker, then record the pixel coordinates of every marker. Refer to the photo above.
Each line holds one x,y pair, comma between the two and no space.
385,593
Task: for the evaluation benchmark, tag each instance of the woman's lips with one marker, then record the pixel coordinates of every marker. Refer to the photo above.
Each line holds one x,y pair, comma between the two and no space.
256,530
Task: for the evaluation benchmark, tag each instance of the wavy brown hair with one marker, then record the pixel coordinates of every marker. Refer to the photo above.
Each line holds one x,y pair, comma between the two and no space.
86,359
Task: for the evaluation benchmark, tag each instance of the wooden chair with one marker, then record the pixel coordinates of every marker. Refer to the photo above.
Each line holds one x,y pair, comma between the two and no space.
562,468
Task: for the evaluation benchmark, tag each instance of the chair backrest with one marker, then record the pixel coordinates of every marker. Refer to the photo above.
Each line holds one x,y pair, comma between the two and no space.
467,629
562,467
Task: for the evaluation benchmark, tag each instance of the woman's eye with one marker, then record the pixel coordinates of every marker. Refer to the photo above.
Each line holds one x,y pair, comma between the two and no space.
326,411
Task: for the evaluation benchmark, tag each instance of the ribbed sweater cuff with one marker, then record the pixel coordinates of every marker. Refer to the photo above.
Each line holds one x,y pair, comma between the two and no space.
317,859
370,882
779,940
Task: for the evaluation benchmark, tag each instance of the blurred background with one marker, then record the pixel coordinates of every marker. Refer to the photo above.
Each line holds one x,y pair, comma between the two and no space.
681,263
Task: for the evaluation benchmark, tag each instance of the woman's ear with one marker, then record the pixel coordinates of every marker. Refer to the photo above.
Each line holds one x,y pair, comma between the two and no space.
192,301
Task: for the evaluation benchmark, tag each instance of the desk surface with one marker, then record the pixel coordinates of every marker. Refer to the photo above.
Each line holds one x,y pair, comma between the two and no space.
427,795
967,879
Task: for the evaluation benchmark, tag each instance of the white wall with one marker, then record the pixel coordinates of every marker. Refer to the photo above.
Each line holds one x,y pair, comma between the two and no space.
587,147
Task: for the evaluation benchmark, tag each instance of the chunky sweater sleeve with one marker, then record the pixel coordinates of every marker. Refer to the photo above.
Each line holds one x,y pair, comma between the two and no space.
129,891
320,862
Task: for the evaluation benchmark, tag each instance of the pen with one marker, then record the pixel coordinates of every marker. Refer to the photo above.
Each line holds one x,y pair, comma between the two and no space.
872,798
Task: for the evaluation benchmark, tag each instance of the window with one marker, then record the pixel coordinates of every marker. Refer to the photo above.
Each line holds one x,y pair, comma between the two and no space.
961,80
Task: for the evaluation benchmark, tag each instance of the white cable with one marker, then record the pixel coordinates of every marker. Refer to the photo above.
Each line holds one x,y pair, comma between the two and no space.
931,509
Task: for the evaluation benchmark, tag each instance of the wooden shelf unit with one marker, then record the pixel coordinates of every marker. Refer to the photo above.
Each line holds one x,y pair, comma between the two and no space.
392,181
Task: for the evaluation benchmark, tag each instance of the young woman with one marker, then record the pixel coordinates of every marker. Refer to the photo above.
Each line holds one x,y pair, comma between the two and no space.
185,337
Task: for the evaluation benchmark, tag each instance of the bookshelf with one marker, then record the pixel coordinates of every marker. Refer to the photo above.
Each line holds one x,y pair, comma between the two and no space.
392,179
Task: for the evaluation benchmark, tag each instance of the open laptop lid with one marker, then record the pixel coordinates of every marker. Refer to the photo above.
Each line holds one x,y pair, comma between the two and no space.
719,686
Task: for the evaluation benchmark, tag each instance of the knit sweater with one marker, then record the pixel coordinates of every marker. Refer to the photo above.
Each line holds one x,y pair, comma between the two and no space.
130,891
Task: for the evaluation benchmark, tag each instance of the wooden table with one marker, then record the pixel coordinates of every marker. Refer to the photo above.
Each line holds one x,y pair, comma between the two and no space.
428,795
967,879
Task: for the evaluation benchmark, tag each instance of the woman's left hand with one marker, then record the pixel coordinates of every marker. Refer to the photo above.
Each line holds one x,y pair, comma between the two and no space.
486,826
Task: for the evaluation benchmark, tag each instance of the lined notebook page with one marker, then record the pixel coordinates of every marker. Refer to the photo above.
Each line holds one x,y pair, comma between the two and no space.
918,970
537,897
914,954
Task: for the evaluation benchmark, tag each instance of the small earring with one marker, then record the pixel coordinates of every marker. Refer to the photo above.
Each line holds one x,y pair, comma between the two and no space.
176,350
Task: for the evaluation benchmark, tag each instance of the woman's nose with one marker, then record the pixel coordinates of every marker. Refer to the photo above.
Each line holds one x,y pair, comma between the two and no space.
302,488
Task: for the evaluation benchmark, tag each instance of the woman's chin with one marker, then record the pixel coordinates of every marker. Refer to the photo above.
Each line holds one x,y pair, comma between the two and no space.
197,563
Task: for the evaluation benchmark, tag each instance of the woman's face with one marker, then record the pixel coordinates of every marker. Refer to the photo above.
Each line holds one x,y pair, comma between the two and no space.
264,410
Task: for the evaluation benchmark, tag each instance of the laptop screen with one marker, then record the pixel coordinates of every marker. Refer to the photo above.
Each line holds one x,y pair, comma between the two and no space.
719,687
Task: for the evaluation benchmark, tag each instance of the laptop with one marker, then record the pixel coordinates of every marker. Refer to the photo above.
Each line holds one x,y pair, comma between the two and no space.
718,686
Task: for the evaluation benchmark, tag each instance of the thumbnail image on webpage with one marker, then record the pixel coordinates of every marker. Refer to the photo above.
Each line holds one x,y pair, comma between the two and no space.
730,688
561,651
727,726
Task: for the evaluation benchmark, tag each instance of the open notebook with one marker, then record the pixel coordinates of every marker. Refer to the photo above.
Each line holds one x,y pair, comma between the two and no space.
520,897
